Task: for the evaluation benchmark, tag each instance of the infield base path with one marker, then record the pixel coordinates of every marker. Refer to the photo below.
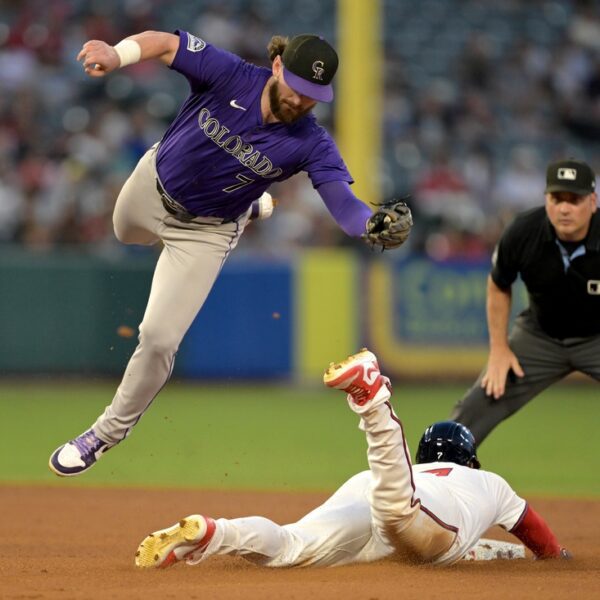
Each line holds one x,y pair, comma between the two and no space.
66,542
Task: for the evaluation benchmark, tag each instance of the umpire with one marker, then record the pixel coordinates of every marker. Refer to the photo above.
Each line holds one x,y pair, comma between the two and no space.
556,251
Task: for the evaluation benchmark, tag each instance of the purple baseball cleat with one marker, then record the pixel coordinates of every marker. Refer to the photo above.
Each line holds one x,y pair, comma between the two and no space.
78,455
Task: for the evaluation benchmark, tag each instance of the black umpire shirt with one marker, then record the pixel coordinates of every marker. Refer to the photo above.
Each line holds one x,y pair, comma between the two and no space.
564,300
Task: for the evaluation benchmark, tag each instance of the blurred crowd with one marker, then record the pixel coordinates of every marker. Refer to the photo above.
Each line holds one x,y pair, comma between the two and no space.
478,97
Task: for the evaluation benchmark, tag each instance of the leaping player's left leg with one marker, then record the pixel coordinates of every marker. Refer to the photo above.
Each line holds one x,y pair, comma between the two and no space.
186,270
396,512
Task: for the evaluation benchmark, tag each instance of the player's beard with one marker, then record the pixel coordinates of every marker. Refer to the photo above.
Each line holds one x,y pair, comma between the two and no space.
281,109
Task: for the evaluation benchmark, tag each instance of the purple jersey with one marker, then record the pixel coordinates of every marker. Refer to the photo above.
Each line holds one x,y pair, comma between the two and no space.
218,156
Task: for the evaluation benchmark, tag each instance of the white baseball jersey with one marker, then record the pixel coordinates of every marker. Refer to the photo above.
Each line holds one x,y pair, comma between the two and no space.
432,512
470,500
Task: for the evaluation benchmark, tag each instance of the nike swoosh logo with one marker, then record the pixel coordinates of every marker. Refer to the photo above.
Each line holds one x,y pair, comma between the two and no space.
234,104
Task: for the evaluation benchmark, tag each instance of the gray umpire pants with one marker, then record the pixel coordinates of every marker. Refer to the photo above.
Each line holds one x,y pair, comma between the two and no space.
544,360
192,256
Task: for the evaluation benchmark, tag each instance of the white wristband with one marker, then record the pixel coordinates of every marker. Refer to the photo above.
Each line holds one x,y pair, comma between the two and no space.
129,52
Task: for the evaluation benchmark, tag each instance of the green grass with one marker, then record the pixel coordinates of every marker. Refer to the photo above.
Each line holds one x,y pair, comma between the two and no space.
284,437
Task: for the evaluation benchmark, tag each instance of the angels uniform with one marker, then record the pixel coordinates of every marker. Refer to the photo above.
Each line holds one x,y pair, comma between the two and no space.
440,509
434,512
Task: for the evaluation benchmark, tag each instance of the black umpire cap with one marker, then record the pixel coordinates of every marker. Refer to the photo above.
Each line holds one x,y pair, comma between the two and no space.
570,176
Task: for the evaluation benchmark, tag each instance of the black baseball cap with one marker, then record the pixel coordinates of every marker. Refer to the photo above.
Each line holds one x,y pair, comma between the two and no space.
309,64
570,176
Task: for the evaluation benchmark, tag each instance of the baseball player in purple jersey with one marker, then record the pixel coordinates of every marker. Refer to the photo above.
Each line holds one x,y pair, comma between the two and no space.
432,512
241,128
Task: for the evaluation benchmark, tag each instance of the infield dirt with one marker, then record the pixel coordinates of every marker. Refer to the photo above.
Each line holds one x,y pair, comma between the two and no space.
65,542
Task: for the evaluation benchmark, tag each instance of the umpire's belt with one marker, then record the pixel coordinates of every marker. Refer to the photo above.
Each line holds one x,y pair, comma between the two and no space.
172,206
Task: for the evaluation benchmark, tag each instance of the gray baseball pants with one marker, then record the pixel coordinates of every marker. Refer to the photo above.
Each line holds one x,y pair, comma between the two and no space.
192,256
544,360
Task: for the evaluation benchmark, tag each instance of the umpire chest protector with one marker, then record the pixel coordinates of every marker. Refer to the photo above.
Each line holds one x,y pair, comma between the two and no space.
563,281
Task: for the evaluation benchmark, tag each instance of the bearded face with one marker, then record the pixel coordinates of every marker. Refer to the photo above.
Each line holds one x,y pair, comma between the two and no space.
286,105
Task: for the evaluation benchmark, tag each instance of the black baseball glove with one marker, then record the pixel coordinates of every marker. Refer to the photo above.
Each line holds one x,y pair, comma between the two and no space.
389,226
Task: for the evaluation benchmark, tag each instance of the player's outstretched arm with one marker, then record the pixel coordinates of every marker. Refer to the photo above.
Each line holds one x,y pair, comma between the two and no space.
350,213
100,58
534,532
389,227
501,358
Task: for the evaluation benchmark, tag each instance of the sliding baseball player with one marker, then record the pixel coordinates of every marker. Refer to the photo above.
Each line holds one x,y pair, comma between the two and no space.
433,512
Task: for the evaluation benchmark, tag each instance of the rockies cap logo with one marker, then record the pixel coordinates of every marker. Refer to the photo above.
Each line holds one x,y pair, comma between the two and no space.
318,70
309,64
